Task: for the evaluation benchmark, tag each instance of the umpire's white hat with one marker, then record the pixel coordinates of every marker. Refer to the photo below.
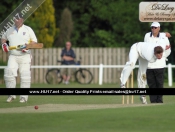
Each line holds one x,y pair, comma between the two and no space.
155,24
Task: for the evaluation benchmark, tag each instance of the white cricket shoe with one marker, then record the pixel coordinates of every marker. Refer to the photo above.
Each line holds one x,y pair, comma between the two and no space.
22,100
63,81
122,86
66,82
143,99
11,98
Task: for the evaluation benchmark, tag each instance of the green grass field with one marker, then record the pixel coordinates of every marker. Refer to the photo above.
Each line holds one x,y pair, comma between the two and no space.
83,113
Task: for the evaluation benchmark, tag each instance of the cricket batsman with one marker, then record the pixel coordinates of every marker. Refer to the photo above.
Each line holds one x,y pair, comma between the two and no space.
145,52
18,59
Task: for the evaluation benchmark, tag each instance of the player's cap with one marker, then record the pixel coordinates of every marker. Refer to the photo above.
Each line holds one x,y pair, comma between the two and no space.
155,24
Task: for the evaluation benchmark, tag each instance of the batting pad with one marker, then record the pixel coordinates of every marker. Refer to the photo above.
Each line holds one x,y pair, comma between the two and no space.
9,78
25,79
25,82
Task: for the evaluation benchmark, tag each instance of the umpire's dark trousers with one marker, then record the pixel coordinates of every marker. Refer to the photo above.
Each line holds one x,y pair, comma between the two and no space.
155,79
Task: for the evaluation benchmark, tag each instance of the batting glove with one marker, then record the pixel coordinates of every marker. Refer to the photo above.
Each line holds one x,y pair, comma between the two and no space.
5,47
25,50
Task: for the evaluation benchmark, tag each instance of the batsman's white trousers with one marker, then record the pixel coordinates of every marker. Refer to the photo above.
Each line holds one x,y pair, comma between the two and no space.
23,64
130,65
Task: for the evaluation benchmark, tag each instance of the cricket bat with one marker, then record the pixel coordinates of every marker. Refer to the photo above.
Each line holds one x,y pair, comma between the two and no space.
27,46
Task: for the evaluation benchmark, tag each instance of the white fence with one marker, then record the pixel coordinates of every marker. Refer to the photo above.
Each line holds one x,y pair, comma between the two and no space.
101,67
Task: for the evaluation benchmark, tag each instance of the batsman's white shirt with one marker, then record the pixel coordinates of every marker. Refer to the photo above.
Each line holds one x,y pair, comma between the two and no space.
17,37
146,50
159,63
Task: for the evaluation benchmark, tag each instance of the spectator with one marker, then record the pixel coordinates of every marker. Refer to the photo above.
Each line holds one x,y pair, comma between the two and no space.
68,57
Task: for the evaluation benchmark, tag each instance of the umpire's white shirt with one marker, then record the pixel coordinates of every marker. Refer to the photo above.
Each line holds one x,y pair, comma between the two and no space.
162,39
17,37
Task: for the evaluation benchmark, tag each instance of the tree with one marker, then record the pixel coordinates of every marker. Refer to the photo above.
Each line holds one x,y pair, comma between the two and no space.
7,7
66,27
42,21
102,23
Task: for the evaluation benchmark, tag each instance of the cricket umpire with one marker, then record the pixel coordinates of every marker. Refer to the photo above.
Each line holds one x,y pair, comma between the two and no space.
18,59
155,71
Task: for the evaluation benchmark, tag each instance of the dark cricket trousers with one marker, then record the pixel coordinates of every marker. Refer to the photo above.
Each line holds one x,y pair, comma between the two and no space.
155,79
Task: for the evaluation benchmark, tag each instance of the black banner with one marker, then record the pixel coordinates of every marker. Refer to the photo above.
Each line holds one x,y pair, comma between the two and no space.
87,91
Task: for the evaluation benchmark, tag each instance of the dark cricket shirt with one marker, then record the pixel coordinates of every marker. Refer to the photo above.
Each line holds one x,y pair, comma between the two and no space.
68,53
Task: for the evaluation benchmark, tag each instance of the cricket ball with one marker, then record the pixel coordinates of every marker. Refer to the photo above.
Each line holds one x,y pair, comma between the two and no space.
36,107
